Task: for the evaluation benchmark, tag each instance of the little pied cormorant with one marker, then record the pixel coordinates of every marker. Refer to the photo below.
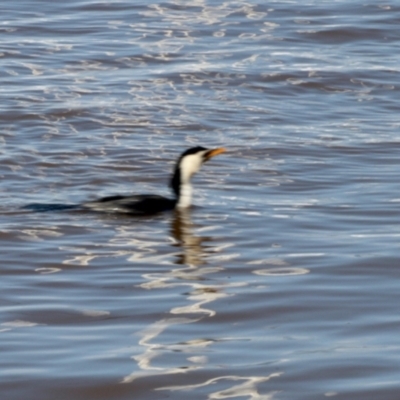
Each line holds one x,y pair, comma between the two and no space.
187,165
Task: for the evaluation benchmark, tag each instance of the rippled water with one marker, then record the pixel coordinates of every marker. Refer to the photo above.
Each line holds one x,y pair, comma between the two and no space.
281,283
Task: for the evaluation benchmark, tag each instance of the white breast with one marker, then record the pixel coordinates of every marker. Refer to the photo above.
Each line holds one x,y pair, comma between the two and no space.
190,165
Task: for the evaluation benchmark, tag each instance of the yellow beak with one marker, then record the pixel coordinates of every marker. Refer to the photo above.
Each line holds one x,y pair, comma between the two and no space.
214,152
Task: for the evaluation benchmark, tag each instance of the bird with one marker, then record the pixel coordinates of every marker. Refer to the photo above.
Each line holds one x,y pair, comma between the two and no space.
186,166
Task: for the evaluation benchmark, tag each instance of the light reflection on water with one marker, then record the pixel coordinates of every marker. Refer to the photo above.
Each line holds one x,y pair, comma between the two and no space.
246,389
193,261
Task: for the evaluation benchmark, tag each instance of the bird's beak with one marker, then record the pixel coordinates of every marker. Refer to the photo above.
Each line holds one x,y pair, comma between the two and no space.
212,153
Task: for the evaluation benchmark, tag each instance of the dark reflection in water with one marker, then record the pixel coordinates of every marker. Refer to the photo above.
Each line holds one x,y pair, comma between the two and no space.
46,207
193,251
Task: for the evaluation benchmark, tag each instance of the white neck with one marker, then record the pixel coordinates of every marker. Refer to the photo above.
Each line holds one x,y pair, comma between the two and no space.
185,195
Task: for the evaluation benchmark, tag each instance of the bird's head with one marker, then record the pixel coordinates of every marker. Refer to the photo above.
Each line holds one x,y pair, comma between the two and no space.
189,163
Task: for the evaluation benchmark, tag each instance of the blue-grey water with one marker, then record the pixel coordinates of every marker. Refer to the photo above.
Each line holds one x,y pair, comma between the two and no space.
282,282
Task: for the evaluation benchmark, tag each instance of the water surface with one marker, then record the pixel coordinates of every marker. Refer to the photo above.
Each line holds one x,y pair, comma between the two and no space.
281,283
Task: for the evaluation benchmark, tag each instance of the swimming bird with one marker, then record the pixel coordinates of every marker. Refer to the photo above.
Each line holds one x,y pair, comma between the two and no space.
187,165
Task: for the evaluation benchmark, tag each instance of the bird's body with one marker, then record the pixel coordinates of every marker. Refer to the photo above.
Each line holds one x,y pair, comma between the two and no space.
143,204
146,204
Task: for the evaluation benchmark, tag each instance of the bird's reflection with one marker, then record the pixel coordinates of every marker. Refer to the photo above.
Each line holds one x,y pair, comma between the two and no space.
193,249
